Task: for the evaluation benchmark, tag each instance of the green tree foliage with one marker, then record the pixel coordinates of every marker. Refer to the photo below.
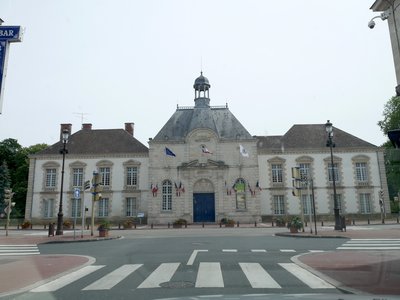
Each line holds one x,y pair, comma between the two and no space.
4,183
391,120
391,115
16,158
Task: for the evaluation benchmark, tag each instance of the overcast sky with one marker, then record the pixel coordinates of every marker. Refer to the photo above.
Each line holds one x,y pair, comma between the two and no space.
276,63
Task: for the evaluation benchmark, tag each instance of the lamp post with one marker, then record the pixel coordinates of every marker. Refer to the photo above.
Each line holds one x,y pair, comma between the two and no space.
331,144
63,151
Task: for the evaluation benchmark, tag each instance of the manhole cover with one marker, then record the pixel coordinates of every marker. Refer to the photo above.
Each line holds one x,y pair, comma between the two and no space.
177,284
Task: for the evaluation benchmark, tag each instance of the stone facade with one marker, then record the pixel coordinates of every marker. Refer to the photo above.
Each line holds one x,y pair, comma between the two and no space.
204,166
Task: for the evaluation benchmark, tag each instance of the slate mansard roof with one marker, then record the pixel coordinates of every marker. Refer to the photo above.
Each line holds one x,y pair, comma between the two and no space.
99,141
310,136
218,119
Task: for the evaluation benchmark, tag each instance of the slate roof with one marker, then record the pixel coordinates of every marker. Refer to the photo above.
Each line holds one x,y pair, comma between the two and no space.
218,119
99,141
310,136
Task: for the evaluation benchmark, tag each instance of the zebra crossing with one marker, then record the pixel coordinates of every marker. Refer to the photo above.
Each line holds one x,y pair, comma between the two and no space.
12,250
209,275
371,244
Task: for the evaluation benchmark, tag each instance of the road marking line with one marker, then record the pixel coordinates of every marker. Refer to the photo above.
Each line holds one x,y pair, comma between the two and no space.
259,250
375,240
19,250
16,254
162,274
209,275
229,250
258,277
193,256
288,250
305,276
316,251
368,248
113,278
384,244
66,279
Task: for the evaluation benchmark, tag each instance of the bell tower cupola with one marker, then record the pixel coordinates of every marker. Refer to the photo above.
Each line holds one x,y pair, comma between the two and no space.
201,91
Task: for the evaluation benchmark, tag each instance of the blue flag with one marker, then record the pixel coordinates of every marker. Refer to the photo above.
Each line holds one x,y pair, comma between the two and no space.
169,152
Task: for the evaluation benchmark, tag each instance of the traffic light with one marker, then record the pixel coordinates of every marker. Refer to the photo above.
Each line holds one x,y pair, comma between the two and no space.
97,187
8,194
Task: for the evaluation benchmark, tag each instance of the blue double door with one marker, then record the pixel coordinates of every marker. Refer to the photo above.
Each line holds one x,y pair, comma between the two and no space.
203,207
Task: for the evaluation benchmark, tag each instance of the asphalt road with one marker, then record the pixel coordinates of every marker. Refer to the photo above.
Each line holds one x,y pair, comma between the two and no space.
183,263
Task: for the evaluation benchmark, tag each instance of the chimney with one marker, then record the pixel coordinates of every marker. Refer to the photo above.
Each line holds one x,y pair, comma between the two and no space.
65,126
129,128
87,126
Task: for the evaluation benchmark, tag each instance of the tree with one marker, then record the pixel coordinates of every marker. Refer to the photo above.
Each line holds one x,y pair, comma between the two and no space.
391,115
4,183
16,158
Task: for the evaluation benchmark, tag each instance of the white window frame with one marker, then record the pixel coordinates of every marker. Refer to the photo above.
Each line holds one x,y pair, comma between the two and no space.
277,173
335,170
131,206
103,208
48,208
76,208
365,203
105,173
279,205
361,171
77,177
166,195
51,178
131,176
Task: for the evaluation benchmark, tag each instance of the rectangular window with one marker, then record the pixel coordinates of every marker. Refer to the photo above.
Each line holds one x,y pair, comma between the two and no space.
333,172
167,195
279,205
48,208
131,176
339,202
50,178
105,176
131,207
76,208
77,179
304,170
103,207
365,204
361,171
276,173
307,205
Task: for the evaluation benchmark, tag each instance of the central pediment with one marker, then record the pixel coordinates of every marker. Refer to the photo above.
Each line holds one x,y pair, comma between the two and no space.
210,164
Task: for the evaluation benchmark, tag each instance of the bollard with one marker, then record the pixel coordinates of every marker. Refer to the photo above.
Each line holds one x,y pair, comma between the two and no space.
134,225
18,223
272,223
202,224
255,224
237,223
119,225
44,226
185,224
322,223
220,224
354,222
368,221
306,223
169,225
87,227
397,220
151,225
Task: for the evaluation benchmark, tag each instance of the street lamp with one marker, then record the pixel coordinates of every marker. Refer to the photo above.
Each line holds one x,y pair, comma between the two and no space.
331,144
63,151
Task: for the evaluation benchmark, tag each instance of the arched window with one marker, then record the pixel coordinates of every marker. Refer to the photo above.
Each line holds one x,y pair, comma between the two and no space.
167,195
240,189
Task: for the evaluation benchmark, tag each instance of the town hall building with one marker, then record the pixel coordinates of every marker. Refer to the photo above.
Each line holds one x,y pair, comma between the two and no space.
204,166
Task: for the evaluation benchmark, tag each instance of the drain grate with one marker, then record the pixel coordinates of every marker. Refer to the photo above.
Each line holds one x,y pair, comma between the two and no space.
177,284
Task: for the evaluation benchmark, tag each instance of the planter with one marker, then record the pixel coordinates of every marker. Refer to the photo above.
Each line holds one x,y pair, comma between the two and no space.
103,233
293,230
229,225
176,225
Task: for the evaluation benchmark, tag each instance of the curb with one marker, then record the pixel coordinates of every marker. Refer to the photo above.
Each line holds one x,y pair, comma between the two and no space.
81,240
296,235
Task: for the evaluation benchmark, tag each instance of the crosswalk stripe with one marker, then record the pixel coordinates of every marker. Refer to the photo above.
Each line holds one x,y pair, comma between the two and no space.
66,279
258,277
162,274
209,275
371,244
306,277
12,250
110,280
368,248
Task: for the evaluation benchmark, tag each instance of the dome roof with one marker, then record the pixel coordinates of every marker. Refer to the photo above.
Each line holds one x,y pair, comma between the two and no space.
201,83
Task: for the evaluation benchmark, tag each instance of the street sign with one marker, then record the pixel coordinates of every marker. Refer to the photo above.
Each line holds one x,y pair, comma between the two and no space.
8,34
140,215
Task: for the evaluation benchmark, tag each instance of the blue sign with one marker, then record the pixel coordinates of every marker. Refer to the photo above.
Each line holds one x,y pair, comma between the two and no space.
77,193
8,34
11,33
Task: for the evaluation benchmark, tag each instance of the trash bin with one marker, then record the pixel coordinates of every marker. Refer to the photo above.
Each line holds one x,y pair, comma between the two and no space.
343,223
51,229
